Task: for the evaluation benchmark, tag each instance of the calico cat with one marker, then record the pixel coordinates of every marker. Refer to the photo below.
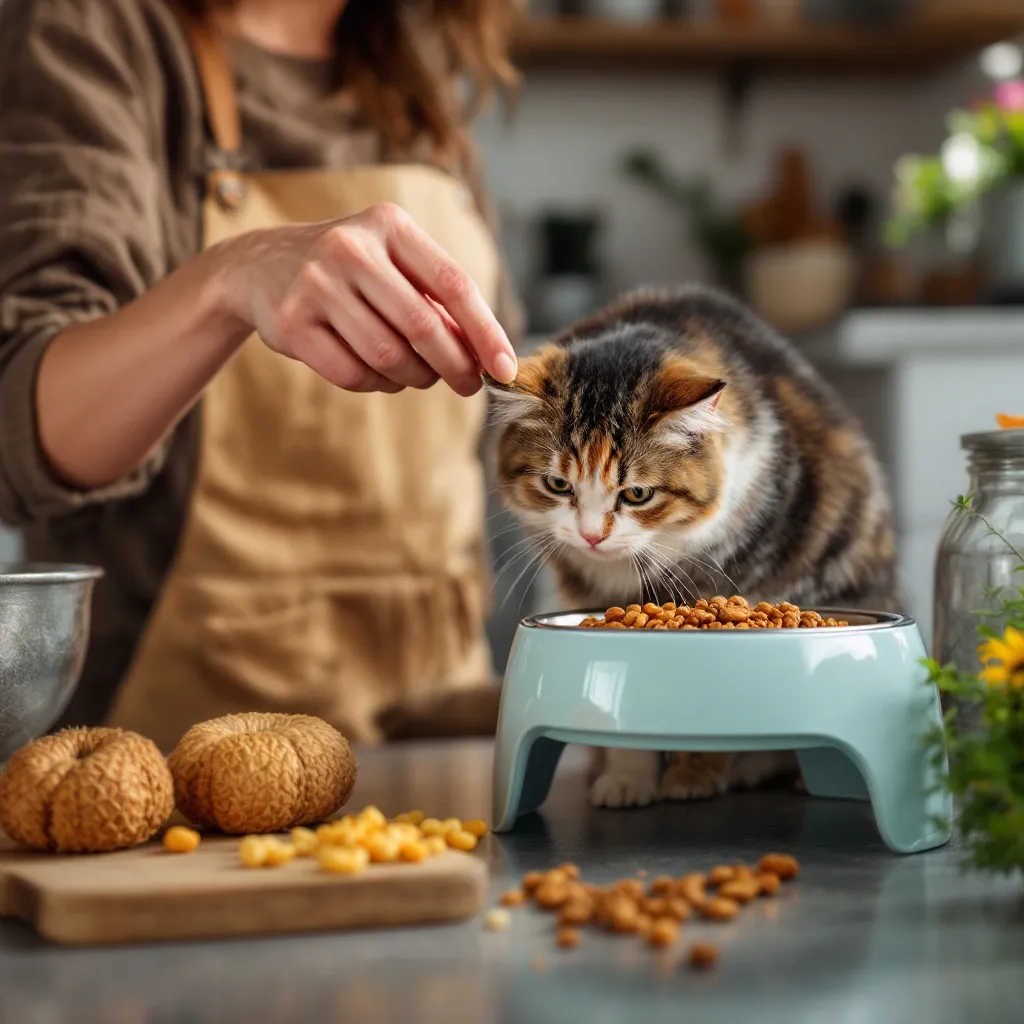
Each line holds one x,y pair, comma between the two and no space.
673,446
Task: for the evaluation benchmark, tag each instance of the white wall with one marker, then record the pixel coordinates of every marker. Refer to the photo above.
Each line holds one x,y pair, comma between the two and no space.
570,130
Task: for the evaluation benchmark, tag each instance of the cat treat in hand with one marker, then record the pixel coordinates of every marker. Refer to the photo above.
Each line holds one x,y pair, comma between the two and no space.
718,613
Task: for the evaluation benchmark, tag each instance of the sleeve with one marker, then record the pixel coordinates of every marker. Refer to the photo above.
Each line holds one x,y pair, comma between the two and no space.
80,224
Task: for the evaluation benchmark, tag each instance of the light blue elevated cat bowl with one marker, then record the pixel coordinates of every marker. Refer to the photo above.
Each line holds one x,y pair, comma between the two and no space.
851,700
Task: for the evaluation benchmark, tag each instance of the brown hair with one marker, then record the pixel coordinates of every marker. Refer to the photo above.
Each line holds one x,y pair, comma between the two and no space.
381,57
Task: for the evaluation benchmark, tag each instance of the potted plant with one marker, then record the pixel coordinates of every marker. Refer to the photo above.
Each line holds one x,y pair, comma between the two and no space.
983,730
788,260
973,187
721,236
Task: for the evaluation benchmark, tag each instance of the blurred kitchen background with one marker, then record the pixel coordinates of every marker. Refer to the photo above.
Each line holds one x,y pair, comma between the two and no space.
758,144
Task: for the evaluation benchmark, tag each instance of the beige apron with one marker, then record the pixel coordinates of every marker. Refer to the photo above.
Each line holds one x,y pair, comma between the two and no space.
331,562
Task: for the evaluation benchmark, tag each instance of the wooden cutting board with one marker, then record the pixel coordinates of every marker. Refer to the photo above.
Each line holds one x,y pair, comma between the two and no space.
148,894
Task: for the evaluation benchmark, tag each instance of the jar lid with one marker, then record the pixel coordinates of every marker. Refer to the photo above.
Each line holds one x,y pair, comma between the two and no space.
1010,442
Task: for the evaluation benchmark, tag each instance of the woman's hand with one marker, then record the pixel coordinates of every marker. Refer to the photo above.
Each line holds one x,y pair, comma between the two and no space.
371,303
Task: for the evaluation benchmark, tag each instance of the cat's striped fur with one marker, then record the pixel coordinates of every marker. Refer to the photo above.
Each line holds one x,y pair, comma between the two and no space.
761,482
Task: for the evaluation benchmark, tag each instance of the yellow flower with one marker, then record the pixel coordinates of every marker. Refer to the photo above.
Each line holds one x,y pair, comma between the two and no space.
1005,658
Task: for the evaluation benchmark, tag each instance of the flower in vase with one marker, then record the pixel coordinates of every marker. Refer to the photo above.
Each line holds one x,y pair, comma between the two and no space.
1004,659
1010,95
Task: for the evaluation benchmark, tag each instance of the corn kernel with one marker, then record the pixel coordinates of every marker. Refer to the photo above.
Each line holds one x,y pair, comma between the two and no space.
343,860
252,851
180,839
475,827
305,841
452,825
414,852
435,845
383,849
372,816
432,827
461,840
412,817
277,852
403,832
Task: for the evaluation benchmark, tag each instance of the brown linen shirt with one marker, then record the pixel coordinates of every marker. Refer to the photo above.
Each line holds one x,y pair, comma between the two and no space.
103,156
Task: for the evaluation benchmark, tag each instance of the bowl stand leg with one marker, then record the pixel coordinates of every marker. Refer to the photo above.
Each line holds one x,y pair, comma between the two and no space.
828,772
898,778
524,766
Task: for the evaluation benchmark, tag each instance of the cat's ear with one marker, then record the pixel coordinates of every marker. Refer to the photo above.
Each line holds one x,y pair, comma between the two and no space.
686,403
528,393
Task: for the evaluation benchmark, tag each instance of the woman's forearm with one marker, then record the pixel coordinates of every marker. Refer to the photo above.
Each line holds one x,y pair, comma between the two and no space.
109,390
370,303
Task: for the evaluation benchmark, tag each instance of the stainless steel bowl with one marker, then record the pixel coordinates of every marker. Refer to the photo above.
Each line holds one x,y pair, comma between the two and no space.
45,611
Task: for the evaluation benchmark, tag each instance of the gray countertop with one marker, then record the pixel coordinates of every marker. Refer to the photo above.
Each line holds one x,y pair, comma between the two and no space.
862,937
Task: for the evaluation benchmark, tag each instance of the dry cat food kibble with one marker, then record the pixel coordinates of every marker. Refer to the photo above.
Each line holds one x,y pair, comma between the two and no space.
780,864
656,913
350,844
718,613
703,955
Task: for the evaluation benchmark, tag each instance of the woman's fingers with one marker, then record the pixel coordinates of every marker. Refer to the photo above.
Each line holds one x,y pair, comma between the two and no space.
416,319
377,305
437,274
375,343
328,355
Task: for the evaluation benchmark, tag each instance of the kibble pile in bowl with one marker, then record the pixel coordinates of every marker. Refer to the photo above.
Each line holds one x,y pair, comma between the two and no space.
718,613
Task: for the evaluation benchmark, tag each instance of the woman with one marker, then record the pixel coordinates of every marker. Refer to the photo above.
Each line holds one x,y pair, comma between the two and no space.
288,519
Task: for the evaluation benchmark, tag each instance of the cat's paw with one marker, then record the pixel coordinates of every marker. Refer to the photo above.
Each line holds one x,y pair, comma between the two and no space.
693,780
621,789
751,770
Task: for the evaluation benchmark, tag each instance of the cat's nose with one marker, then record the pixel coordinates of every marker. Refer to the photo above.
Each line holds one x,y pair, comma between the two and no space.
593,539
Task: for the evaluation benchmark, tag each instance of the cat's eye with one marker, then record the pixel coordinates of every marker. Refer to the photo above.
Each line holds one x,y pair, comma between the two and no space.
637,495
557,484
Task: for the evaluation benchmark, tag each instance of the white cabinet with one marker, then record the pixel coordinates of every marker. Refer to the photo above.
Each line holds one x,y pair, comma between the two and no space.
919,379
10,545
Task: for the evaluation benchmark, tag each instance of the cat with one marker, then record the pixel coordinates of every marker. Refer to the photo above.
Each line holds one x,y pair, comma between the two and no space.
673,446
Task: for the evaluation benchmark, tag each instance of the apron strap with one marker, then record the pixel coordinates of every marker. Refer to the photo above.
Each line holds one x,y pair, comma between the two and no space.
221,102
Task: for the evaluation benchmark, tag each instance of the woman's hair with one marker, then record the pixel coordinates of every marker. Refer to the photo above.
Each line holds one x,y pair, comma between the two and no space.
381,57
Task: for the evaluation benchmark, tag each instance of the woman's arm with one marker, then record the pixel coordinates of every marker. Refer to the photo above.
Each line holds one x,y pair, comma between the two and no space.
109,390
330,295
101,350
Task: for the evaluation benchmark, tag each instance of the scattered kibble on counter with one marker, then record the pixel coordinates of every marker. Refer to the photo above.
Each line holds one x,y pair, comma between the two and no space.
654,912
718,613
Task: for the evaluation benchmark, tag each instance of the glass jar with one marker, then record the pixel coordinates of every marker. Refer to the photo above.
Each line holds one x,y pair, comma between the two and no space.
972,561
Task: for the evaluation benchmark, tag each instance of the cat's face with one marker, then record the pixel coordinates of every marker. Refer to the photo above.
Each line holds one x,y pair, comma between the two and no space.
606,447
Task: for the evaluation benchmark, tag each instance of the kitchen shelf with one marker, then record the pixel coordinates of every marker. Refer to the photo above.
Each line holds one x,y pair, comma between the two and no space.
912,44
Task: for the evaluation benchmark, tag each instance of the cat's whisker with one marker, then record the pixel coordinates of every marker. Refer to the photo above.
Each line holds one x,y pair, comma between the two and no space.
640,584
541,553
525,551
648,581
714,566
670,556
501,512
653,572
715,569
518,547
728,579
668,572
540,565
511,528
